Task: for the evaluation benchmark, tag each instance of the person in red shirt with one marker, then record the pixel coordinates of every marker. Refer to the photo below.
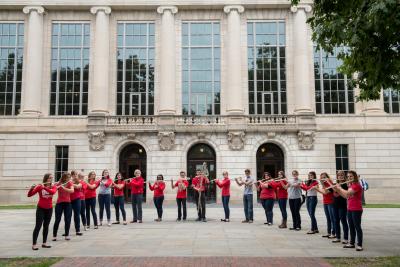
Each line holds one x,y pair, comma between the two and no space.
312,200
82,197
267,196
76,201
181,195
90,199
199,184
225,185
119,199
44,209
354,209
158,198
282,195
65,188
137,184
327,199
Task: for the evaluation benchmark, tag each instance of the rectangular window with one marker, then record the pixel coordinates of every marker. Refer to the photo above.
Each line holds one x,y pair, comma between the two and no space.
135,72
201,70
61,161
11,56
342,157
266,67
391,99
333,93
70,68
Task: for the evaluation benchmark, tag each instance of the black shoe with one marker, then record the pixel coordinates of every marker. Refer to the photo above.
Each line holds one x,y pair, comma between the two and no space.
204,220
223,220
79,233
178,220
325,236
266,223
46,246
292,228
35,248
198,220
116,222
349,246
297,229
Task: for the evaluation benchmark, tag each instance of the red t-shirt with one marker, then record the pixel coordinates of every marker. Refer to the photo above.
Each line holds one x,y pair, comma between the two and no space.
200,180
119,192
64,196
158,188
79,192
354,202
268,192
282,192
225,184
84,188
136,185
327,198
91,193
181,192
45,195
308,187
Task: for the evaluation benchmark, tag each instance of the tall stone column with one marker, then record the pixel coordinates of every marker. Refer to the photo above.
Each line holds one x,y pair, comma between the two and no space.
233,61
374,107
167,86
33,62
302,60
101,61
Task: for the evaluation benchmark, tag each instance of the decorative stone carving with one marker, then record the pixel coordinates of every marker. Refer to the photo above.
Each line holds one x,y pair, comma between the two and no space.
236,140
166,140
271,135
307,8
306,139
131,136
201,135
97,140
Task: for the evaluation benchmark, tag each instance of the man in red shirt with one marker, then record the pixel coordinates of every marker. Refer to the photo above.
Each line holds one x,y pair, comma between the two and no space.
181,195
199,184
225,185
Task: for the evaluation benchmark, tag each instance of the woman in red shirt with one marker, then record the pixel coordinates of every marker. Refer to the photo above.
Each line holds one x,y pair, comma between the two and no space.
282,198
136,184
76,201
63,205
90,199
82,197
181,195
225,185
354,209
158,188
44,209
267,196
327,199
119,200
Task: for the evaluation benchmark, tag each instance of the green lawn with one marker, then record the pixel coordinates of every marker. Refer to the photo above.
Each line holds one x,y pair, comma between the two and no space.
365,262
28,262
17,207
382,206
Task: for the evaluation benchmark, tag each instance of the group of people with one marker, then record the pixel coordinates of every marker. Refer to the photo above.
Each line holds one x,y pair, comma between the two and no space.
342,200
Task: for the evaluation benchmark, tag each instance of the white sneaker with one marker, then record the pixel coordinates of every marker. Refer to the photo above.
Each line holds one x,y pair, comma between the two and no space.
109,223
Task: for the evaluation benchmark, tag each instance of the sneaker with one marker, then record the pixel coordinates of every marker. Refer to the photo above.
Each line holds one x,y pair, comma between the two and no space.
349,246
297,229
46,246
270,224
325,236
178,219
245,221
331,237
96,227
344,242
204,220
266,223
79,233
311,232
140,221
124,223
34,247
109,224
134,221
117,222
54,239
358,248
316,231
67,238
250,221
336,241
227,220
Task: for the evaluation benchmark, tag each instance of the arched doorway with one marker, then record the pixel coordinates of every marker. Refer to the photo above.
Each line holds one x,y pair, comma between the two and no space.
270,158
132,157
197,155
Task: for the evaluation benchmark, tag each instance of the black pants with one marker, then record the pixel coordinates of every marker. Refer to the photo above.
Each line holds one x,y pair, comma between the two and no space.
119,204
83,212
181,202
225,204
91,207
63,207
201,207
354,220
268,205
158,201
137,200
295,205
43,216
76,207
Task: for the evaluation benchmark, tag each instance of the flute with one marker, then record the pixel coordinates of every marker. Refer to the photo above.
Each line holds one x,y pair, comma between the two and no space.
332,186
33,185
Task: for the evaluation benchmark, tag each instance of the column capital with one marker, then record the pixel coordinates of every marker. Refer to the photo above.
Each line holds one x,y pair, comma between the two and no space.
307,8
105,9
161,9
29,9
238,8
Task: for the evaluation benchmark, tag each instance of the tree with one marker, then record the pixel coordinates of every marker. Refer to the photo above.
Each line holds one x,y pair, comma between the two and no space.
370,29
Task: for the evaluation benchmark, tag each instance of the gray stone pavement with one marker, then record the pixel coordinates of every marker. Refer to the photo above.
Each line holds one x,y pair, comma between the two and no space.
214,238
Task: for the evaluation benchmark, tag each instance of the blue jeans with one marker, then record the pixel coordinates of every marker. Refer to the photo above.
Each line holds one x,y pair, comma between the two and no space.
158,201
282,206
137,200
63,207
330,218
268,205
76,207
311,206
119,204
83,212
225,204
295,205
105,202
91,207
354,220
341,217
248,206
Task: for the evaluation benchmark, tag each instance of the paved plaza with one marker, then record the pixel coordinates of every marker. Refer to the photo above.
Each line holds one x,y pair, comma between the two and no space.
213,239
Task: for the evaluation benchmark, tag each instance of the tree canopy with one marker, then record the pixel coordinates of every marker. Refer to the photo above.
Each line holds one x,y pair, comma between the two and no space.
370,29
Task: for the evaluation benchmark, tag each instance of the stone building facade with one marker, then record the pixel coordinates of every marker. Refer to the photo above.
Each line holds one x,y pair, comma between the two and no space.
165,86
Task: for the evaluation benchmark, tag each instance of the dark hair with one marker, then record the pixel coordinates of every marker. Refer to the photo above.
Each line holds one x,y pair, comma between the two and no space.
74,172
116,176
266,173
355,179
90,174
160,176
102,174
247,170
182,172
64,177
314,175
283,173
46,177
199,170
